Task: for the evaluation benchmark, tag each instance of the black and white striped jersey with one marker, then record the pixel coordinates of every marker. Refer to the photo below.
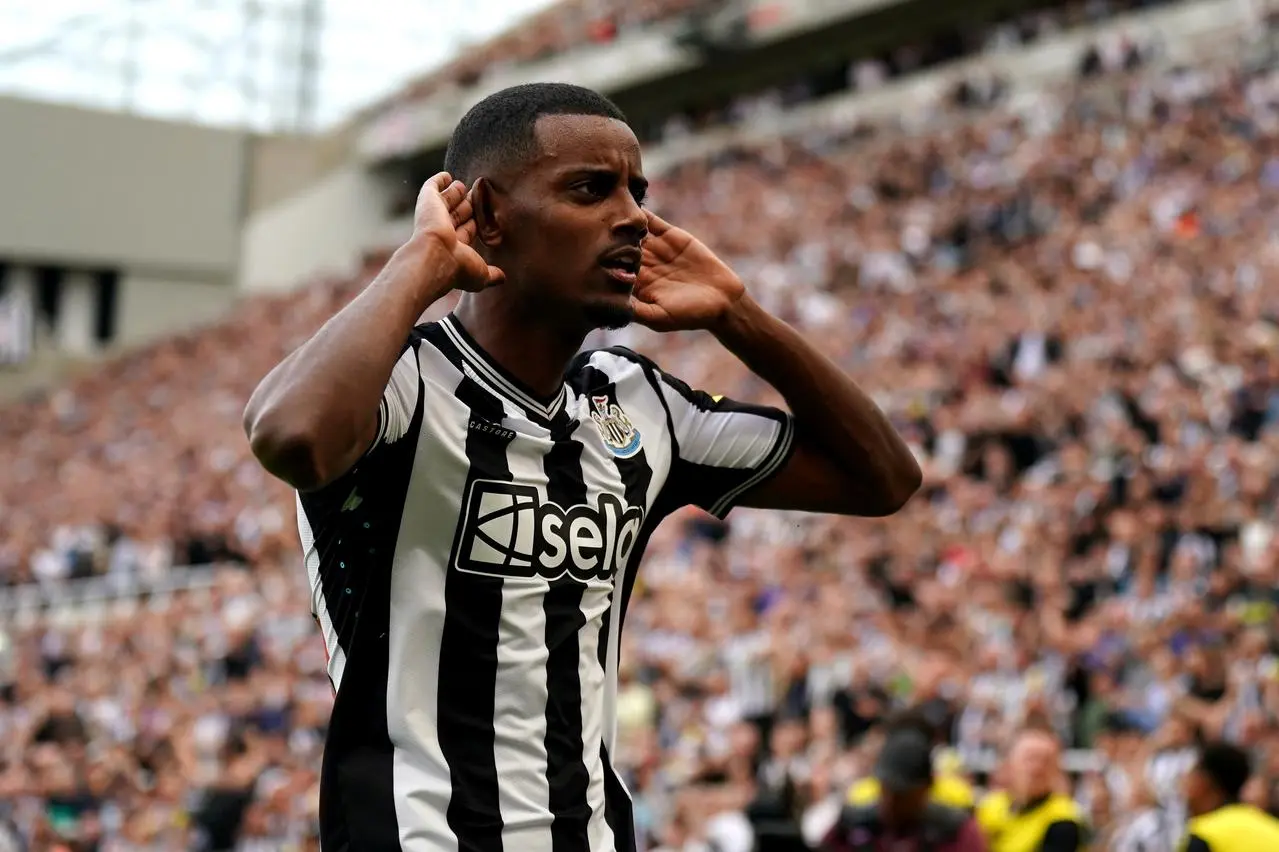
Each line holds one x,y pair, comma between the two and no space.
471,574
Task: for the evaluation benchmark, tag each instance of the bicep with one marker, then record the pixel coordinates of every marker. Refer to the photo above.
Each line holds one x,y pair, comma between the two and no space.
392,421
805,483
808,482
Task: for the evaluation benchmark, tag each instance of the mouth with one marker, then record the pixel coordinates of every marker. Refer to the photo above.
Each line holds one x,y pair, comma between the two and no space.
623,265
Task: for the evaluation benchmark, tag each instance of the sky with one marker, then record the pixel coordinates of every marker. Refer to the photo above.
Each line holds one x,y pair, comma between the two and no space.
232,62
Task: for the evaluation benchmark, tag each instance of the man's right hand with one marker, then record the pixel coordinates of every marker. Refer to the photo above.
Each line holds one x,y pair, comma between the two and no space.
444,215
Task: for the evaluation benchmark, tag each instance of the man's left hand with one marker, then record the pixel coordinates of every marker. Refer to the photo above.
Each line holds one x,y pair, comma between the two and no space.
682,284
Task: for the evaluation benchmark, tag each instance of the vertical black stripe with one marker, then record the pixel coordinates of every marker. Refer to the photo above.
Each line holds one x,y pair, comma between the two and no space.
636,475
356,548
566,773
619,813
468,654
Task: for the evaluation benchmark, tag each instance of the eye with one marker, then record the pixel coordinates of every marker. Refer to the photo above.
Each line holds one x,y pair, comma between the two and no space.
598,187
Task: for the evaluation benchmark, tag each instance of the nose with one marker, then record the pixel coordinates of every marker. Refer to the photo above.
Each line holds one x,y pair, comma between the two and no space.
631,221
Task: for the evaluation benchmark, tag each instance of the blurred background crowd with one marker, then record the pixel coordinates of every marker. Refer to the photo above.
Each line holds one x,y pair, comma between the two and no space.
1067,305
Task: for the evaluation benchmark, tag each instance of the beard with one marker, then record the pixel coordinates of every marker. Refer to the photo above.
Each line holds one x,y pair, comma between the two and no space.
609,315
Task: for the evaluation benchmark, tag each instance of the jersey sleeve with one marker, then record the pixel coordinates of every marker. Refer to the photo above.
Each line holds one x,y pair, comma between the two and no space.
722,448
399,399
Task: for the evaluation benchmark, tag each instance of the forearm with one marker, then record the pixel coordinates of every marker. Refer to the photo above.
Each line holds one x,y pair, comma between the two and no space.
830,410
316,412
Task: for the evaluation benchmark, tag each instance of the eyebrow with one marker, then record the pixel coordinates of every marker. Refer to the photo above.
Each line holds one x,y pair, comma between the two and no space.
638,183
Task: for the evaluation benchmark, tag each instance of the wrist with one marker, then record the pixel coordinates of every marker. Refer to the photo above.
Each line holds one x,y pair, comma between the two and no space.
429,263
739,320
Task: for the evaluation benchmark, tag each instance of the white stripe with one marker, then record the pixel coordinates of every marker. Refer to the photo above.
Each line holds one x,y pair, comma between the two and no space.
319,606
399,399
519,719
644,407
478,361
421,775
725,439
770,466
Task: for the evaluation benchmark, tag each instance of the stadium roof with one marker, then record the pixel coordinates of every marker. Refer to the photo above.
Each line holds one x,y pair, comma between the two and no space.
270,65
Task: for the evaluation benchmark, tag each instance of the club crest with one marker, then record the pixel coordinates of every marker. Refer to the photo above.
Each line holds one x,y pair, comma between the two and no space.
619,433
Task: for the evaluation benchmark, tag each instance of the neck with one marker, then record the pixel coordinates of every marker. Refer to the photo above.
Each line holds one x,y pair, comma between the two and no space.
534,351
1034,800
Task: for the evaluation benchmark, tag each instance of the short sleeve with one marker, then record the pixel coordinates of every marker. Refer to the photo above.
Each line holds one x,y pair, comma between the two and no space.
399,399
722,448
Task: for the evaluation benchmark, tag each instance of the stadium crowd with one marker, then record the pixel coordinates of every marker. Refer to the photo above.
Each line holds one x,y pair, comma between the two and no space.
1069,309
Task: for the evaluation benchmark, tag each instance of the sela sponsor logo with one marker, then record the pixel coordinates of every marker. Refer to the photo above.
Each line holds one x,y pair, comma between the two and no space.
509,531
619,433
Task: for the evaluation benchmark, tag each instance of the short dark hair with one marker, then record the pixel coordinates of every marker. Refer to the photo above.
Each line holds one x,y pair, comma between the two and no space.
499,129
913,720
1227,766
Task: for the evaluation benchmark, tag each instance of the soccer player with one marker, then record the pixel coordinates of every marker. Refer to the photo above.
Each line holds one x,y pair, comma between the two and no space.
474,495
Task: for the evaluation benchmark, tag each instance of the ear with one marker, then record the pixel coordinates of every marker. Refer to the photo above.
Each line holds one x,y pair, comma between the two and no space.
486,202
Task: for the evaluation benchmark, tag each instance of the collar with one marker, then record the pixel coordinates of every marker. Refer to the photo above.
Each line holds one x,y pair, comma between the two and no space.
496,376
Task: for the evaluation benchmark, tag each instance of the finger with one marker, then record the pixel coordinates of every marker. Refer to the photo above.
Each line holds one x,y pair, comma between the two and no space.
656,224
435,186
658,250
466,232
496,276
645,313
462,213
453,194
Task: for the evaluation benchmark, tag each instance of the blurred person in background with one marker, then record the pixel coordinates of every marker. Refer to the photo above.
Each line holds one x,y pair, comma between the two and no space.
1040,816
949,787
1219,819
905,815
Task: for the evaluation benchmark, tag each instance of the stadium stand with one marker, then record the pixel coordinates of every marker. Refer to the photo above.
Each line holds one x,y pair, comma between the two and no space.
1067,304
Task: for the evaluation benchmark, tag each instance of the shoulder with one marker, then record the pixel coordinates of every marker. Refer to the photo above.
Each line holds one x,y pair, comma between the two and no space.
863,791
1063,809
953,791
945,820
632,376
613,358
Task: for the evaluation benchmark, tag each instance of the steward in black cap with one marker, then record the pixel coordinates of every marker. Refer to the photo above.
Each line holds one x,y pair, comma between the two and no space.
904,811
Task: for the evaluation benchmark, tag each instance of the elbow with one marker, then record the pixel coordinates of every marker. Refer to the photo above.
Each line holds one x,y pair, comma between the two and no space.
900,483
287,453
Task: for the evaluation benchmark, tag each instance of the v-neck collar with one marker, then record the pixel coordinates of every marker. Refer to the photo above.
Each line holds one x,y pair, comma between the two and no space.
496,375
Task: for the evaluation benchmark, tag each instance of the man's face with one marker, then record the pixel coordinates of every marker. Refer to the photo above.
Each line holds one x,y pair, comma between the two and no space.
1032,766
576,202
1198,792
902,808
